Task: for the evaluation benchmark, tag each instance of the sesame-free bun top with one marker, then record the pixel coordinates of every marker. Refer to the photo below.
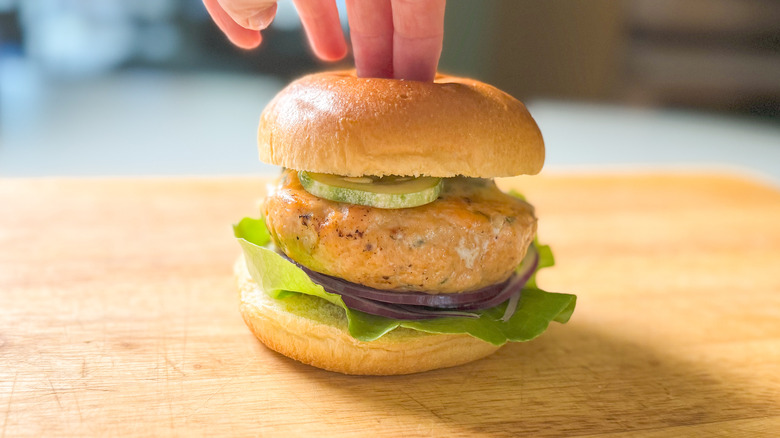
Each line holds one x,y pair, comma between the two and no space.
337,123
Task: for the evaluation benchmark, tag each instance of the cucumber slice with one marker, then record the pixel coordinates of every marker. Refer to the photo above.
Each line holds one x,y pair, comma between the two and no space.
385,192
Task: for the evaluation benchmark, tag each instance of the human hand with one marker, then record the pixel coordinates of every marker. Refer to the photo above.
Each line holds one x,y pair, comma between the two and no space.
390,38
242,21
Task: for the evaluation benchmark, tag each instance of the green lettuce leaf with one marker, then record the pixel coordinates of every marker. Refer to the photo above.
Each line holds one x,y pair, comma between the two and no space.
279,278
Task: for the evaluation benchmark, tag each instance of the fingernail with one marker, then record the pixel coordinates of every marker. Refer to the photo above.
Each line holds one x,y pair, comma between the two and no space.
262,19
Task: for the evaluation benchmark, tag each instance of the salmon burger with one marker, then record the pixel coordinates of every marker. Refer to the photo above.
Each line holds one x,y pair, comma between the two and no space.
385,246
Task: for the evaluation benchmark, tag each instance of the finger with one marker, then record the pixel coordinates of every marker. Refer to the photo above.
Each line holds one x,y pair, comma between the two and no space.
371,32
250,14
244,38
320,19
417,41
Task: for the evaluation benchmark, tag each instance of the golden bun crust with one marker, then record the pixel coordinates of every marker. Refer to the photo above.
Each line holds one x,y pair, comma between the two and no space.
316,335
335,122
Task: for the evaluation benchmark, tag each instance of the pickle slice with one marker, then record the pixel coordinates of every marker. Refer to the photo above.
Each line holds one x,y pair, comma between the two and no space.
384,192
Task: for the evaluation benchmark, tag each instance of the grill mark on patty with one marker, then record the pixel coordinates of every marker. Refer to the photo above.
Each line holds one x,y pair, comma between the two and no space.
354,235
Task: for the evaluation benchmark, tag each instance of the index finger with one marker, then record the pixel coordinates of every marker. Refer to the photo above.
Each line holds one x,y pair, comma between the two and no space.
418,37
320,19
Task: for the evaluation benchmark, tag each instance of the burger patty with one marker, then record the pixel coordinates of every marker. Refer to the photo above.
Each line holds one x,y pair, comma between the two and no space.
472,236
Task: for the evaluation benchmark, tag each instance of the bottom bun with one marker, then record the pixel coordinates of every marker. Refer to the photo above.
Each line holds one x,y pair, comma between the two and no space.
313,331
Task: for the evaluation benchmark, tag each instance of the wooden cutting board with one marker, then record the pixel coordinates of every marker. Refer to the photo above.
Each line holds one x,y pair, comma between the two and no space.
118,317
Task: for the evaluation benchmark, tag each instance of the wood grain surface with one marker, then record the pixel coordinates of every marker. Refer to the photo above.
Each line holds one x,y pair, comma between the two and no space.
118,317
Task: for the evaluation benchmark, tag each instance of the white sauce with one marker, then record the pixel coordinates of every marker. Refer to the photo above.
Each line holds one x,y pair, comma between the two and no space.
468,255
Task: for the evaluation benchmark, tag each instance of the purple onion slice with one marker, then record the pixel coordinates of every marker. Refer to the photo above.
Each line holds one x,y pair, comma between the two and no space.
404,297
511,306
513,285
418,305
401,312
479,299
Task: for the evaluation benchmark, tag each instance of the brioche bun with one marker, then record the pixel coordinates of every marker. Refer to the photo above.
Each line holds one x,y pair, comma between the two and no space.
337,123
314,332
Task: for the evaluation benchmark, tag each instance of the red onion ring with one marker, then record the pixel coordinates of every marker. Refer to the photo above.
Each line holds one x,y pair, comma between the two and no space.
513,285
419,305
486,296
401,312
511,306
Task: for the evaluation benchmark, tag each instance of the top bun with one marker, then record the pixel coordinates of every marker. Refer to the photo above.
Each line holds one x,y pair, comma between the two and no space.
337,123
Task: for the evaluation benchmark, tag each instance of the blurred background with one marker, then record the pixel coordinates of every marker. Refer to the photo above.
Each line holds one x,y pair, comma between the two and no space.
152,87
